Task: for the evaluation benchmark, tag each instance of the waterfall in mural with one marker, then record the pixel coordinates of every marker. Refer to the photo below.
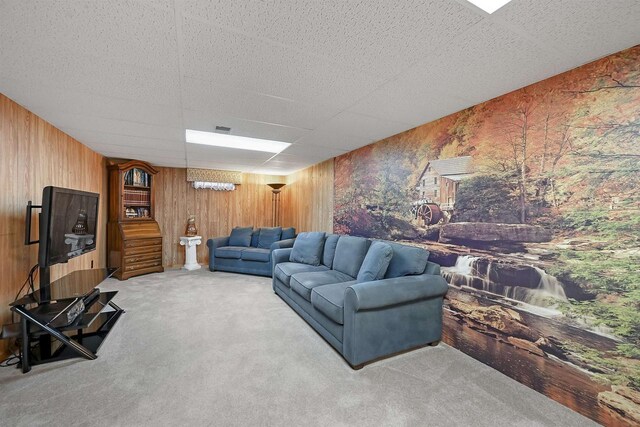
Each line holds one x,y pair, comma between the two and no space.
549,287
524,283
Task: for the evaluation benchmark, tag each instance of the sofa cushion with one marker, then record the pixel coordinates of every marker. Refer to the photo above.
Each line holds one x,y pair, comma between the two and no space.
307,248
329,249
288,233
233,252
406,260
285,270
375,263
256,254
240,236
303,283
254,238
329,300
268,236
350,252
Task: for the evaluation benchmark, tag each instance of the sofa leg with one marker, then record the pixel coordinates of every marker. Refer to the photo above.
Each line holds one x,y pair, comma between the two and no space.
435,343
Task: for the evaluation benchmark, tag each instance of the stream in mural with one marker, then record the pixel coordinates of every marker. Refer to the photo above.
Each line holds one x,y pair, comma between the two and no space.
520,330
530,202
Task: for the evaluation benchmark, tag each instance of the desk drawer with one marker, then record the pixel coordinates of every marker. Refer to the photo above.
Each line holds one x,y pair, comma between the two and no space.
143,250
142,257
142,265
142,242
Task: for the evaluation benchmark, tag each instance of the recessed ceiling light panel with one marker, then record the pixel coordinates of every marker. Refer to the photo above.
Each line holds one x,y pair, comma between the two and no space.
234,141
489,6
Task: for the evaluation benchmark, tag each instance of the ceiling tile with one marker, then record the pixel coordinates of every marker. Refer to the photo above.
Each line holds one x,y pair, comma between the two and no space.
212,164
94,48
230,58
46,100
60,68
377,36
411,101
224,100
485,61
368,127
96,140
102,30
582,30
330,139
306,151
118,127
225,155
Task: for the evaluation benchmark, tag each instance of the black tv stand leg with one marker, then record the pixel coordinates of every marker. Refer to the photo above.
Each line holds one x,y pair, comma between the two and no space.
24,339
115,306
25,316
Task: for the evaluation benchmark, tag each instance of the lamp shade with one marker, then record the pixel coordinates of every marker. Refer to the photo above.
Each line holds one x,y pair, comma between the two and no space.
276,186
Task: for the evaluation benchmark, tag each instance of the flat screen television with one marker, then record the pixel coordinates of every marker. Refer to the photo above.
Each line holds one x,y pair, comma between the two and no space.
67,224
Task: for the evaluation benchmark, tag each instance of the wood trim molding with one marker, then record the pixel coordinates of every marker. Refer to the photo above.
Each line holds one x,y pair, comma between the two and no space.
134,164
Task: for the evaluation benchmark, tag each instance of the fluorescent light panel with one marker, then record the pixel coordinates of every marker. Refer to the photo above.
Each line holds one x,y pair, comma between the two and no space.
234,141
489,6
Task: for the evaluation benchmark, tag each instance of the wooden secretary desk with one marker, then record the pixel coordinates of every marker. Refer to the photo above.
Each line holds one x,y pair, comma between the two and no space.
134,241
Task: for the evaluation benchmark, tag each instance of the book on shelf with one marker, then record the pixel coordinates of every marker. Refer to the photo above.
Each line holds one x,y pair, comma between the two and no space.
137,212
137,178
136,197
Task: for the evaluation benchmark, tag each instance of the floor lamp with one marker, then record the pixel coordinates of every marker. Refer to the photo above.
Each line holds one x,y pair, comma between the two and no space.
275,202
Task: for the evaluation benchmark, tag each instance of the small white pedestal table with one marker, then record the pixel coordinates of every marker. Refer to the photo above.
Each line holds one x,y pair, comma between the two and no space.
190,258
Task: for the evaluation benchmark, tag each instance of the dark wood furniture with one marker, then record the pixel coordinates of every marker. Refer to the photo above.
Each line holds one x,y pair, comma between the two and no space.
134,241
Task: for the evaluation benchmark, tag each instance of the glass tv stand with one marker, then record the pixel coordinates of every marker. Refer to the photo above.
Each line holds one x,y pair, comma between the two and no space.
68,318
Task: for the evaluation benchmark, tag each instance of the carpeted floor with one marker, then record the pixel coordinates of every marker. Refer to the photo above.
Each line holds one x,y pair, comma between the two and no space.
201,348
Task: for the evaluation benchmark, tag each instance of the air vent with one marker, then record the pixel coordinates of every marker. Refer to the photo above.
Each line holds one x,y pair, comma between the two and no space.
223,129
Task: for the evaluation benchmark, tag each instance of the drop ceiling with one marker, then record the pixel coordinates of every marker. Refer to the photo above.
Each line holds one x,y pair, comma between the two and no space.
127,77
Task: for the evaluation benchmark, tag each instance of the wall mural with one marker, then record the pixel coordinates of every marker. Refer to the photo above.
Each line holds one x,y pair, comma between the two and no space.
531,203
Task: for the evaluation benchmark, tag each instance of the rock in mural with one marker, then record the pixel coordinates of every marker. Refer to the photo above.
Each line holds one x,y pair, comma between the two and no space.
494,233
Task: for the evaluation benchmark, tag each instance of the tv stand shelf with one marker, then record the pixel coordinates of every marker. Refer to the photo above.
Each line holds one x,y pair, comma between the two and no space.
83,321
43,316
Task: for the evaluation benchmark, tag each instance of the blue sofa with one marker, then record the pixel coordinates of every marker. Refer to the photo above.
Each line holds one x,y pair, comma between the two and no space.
248,251
387,310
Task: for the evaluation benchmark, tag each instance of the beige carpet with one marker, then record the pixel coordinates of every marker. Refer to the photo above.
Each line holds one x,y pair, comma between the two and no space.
201,348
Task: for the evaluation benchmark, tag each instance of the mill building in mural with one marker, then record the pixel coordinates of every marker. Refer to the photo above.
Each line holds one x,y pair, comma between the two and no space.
437,188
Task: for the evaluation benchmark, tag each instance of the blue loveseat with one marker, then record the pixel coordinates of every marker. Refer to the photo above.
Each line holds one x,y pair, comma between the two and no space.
368,299
247,250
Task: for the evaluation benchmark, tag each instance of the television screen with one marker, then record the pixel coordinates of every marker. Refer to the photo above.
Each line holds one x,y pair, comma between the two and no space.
67,224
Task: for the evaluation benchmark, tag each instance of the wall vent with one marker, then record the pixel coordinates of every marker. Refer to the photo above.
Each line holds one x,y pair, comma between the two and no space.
223,129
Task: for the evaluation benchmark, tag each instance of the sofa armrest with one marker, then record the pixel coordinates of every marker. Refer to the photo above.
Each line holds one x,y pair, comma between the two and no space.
388,316
280,255
432,268
218,242
282,244
396,291
212,244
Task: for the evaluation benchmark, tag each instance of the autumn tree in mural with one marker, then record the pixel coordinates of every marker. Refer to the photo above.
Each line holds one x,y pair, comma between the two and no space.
539,237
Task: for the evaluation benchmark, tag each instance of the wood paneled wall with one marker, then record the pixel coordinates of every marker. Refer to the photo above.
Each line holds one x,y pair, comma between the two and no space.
217,212
306,203
307,200
34,154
